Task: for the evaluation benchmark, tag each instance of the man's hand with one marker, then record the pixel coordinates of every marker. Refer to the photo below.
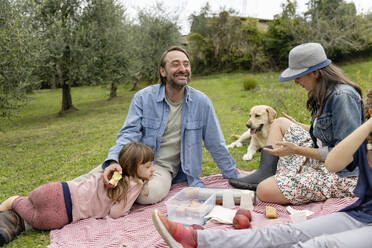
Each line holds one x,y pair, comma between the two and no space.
282,149
107,174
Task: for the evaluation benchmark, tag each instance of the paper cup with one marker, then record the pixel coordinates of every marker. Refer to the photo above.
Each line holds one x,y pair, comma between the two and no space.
228,199
246,200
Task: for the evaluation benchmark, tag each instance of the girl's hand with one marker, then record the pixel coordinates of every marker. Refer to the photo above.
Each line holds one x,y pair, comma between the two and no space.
289,118
282,149
109,171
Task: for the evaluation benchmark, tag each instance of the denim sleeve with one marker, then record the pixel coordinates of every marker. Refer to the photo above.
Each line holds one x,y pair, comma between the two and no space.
346,117
215,144
131,131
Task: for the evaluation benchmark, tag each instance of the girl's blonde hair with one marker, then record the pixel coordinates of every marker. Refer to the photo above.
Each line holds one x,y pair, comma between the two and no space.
130,157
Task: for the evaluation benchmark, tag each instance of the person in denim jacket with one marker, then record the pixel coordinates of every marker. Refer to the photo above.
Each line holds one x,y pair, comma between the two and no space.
298,151
173,119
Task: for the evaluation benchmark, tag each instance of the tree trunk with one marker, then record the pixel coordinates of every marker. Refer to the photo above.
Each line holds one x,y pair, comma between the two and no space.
253,59
135,86
66,98
113,91
53,85
66,93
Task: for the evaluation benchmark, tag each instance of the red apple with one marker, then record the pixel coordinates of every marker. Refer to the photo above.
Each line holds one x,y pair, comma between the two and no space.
245,212
197,227
241,222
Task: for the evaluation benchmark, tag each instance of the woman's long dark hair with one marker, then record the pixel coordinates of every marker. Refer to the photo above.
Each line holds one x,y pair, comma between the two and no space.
329,77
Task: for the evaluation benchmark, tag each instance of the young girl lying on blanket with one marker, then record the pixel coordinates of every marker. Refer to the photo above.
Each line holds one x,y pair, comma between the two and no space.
54,205
351,227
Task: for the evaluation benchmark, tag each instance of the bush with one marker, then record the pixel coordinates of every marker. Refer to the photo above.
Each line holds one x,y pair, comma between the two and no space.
249,83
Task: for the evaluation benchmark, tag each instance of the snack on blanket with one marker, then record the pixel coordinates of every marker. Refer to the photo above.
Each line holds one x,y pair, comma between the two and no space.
115,178
270,212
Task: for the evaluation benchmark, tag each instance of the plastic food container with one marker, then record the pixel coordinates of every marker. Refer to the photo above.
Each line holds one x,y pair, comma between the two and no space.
190,205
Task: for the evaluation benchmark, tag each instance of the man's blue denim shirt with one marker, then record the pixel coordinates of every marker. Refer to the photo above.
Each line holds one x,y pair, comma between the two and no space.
146,121
341,115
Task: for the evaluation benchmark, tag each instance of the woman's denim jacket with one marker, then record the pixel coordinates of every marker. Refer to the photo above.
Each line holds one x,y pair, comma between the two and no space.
341,115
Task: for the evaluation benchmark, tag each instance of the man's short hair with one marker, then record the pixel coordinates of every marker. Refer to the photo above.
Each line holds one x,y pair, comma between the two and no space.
163,62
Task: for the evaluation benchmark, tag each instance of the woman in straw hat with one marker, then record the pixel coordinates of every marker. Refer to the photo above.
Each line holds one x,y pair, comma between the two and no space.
336,107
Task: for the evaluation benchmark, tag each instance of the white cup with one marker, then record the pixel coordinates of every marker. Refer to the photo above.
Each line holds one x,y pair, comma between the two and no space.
246,200
228,199
298,217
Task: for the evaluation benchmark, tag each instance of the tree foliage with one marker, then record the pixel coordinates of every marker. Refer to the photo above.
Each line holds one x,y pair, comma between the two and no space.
280,37
333,23
59,22
227,42
336,25
153,34
65,43
105,43
19,56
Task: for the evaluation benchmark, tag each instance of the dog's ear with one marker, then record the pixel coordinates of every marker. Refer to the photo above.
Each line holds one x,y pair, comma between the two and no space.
271,113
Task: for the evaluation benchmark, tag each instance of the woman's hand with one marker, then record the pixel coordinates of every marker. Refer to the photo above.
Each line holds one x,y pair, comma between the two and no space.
290,118
282,149
304,126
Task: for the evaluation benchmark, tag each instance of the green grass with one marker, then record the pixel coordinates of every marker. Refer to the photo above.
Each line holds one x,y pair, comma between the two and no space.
39,146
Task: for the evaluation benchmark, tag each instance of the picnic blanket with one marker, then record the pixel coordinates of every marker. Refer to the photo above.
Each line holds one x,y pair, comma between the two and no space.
136,229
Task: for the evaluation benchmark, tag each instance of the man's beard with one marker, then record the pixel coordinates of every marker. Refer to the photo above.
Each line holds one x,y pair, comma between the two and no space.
179,85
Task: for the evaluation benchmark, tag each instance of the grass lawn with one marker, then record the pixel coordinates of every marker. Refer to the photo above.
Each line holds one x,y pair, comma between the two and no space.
39,146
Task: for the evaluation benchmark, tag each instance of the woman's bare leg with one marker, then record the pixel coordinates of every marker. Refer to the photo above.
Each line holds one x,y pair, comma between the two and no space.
268,191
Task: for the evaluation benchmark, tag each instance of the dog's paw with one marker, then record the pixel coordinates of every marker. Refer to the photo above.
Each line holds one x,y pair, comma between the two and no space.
235,144
247,157
232,145
239,144
235,136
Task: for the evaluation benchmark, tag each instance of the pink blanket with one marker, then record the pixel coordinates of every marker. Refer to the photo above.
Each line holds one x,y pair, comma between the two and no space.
137,230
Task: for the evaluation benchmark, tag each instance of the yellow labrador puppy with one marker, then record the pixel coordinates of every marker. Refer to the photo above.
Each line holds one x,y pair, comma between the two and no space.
260,119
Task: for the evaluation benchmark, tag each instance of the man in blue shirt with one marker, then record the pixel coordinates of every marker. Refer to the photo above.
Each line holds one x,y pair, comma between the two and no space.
173,119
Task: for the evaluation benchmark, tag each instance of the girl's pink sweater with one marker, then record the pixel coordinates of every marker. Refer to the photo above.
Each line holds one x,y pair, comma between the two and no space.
89,198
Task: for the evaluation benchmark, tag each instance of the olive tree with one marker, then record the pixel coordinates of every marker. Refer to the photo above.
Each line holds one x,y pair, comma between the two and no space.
152,35
19,55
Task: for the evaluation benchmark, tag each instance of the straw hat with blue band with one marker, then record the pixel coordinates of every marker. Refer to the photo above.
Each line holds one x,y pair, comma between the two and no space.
304,59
